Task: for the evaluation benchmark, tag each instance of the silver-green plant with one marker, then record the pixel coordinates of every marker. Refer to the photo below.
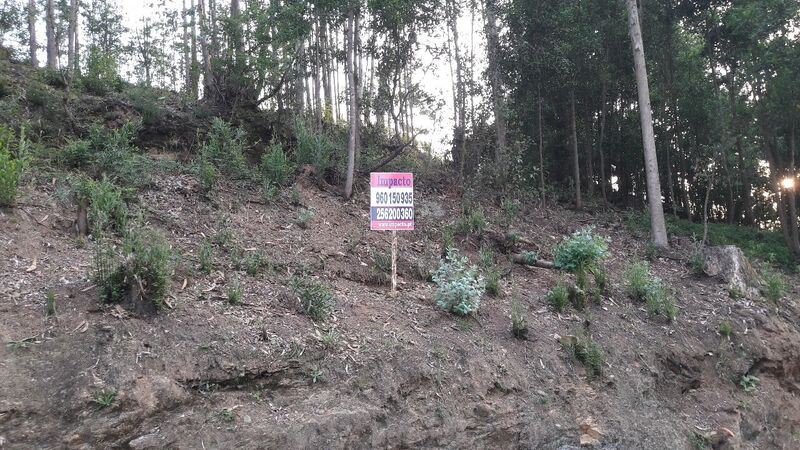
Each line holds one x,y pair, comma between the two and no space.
459,286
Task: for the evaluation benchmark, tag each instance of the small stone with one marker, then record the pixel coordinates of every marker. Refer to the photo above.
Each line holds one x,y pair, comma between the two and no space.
247,419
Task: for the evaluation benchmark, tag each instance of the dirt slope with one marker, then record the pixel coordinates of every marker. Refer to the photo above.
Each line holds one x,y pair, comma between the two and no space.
396,372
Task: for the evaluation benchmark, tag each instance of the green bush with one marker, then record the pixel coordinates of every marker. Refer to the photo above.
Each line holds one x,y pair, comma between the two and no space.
206,257
774,285
76,154
206,175
276,168
518,327
12,165
253,263
101,76
581,254
316,299
107,209
225,149
146,102
637,280
234,293
583,348
459,287
558,297
472,221
139,272
304,218
641,286
493,278
55,78
38,94
314,149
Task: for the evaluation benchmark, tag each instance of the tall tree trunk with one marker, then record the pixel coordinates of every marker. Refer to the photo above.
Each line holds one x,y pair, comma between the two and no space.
576,164
50,27
792,192
195,75
658,226
326,70
32,46
459,105
187,62
208,79
498,101
72,33
350,70
589,152
603,180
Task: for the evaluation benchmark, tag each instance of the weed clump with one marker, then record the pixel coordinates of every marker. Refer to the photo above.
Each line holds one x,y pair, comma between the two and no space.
472,221
275,168
138,274
316,300
558,297
225,149
12,165
582,253
106,207
518,327
459,287
774,286
586,351
641,286
304,218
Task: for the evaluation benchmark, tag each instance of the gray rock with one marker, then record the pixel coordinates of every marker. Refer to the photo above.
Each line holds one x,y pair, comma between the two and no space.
729,264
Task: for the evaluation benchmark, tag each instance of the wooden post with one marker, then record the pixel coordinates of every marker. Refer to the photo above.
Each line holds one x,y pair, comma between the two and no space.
394,263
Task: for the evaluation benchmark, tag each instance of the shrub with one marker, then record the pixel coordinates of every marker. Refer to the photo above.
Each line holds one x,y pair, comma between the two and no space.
107,209
313,149
697,260
586,351
518,327
104,398
748,383
774,285
459,288
206,257
145,101
101,76
558,297
55,78
253,263
206,175
316,299
276,168
493,277
139,274
234,293
50,303
11,166
76,154
581,254
225,149
510,209
472,221
38,94
725,329
529,257
304,218
382,261
643,287
448,239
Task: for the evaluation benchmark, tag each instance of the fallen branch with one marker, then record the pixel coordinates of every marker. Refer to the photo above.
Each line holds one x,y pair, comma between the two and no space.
525,260
398,150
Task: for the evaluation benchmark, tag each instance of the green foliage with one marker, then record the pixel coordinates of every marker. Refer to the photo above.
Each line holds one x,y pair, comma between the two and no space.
641,286
38,94
749,383
582,252
774,285
234,293
510,208
314,149
559,296
448,238
12,165
304,218
55,78
224,148
472,221
529,257
493,278
586,351
107,208
276,168
316,299
486,257
382,261
697,260
459,287
206,174
725,329
50,303
142,266
104,398
101,76
253,263
206,257
330,339
518,327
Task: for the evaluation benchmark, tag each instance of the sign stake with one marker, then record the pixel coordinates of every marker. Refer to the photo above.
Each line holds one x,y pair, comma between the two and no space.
394,263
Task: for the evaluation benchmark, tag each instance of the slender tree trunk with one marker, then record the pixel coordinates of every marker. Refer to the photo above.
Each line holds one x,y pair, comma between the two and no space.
658,225
576,164
195,75
72,33
208,80
603,181
542,186
792,193
187,62
589,153
32,46
50,27
325,69
350,70
498,101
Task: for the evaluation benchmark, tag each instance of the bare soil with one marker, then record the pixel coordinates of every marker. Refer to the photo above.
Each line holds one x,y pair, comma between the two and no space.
393,372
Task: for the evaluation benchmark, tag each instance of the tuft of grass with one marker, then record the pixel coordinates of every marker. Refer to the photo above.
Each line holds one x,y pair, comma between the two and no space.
381,261
316,299
206,257
253,263
637,280
725,329
510,208
748,383
697,260
493,286
735,292
774,286
105,398
316,375
529,258
586,351
473,221
50,304
559,296
206,175
699,441
659,300
234,294
448,238
304,218
486,257
330,339
11,166
518,327
275,168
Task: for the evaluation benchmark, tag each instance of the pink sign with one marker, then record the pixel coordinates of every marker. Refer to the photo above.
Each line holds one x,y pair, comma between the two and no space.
391,201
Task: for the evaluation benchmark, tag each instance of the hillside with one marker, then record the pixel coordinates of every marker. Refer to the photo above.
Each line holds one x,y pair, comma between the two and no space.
232,360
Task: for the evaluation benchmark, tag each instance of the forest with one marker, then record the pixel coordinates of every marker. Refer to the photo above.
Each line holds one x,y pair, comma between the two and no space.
604,203
553,108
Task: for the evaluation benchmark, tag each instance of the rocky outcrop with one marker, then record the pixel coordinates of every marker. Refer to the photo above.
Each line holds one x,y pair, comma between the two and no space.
729,264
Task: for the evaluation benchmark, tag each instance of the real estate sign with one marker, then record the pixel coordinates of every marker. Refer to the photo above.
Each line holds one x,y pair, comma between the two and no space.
392,201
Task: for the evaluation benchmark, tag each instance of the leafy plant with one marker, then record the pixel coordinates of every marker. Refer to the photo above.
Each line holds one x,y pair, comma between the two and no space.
774,285
304,218
12,165
382,261
234,293
206,174
448,238
748,383
472,221
206,257
316,299
558,297
581,254
583,348
637,280
518,327
225,149
276,168
529,258
50,303
725,329
459,286
493,277
330,339
697,260
314,149
105,398
510,208
253,263
643,287
107,208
